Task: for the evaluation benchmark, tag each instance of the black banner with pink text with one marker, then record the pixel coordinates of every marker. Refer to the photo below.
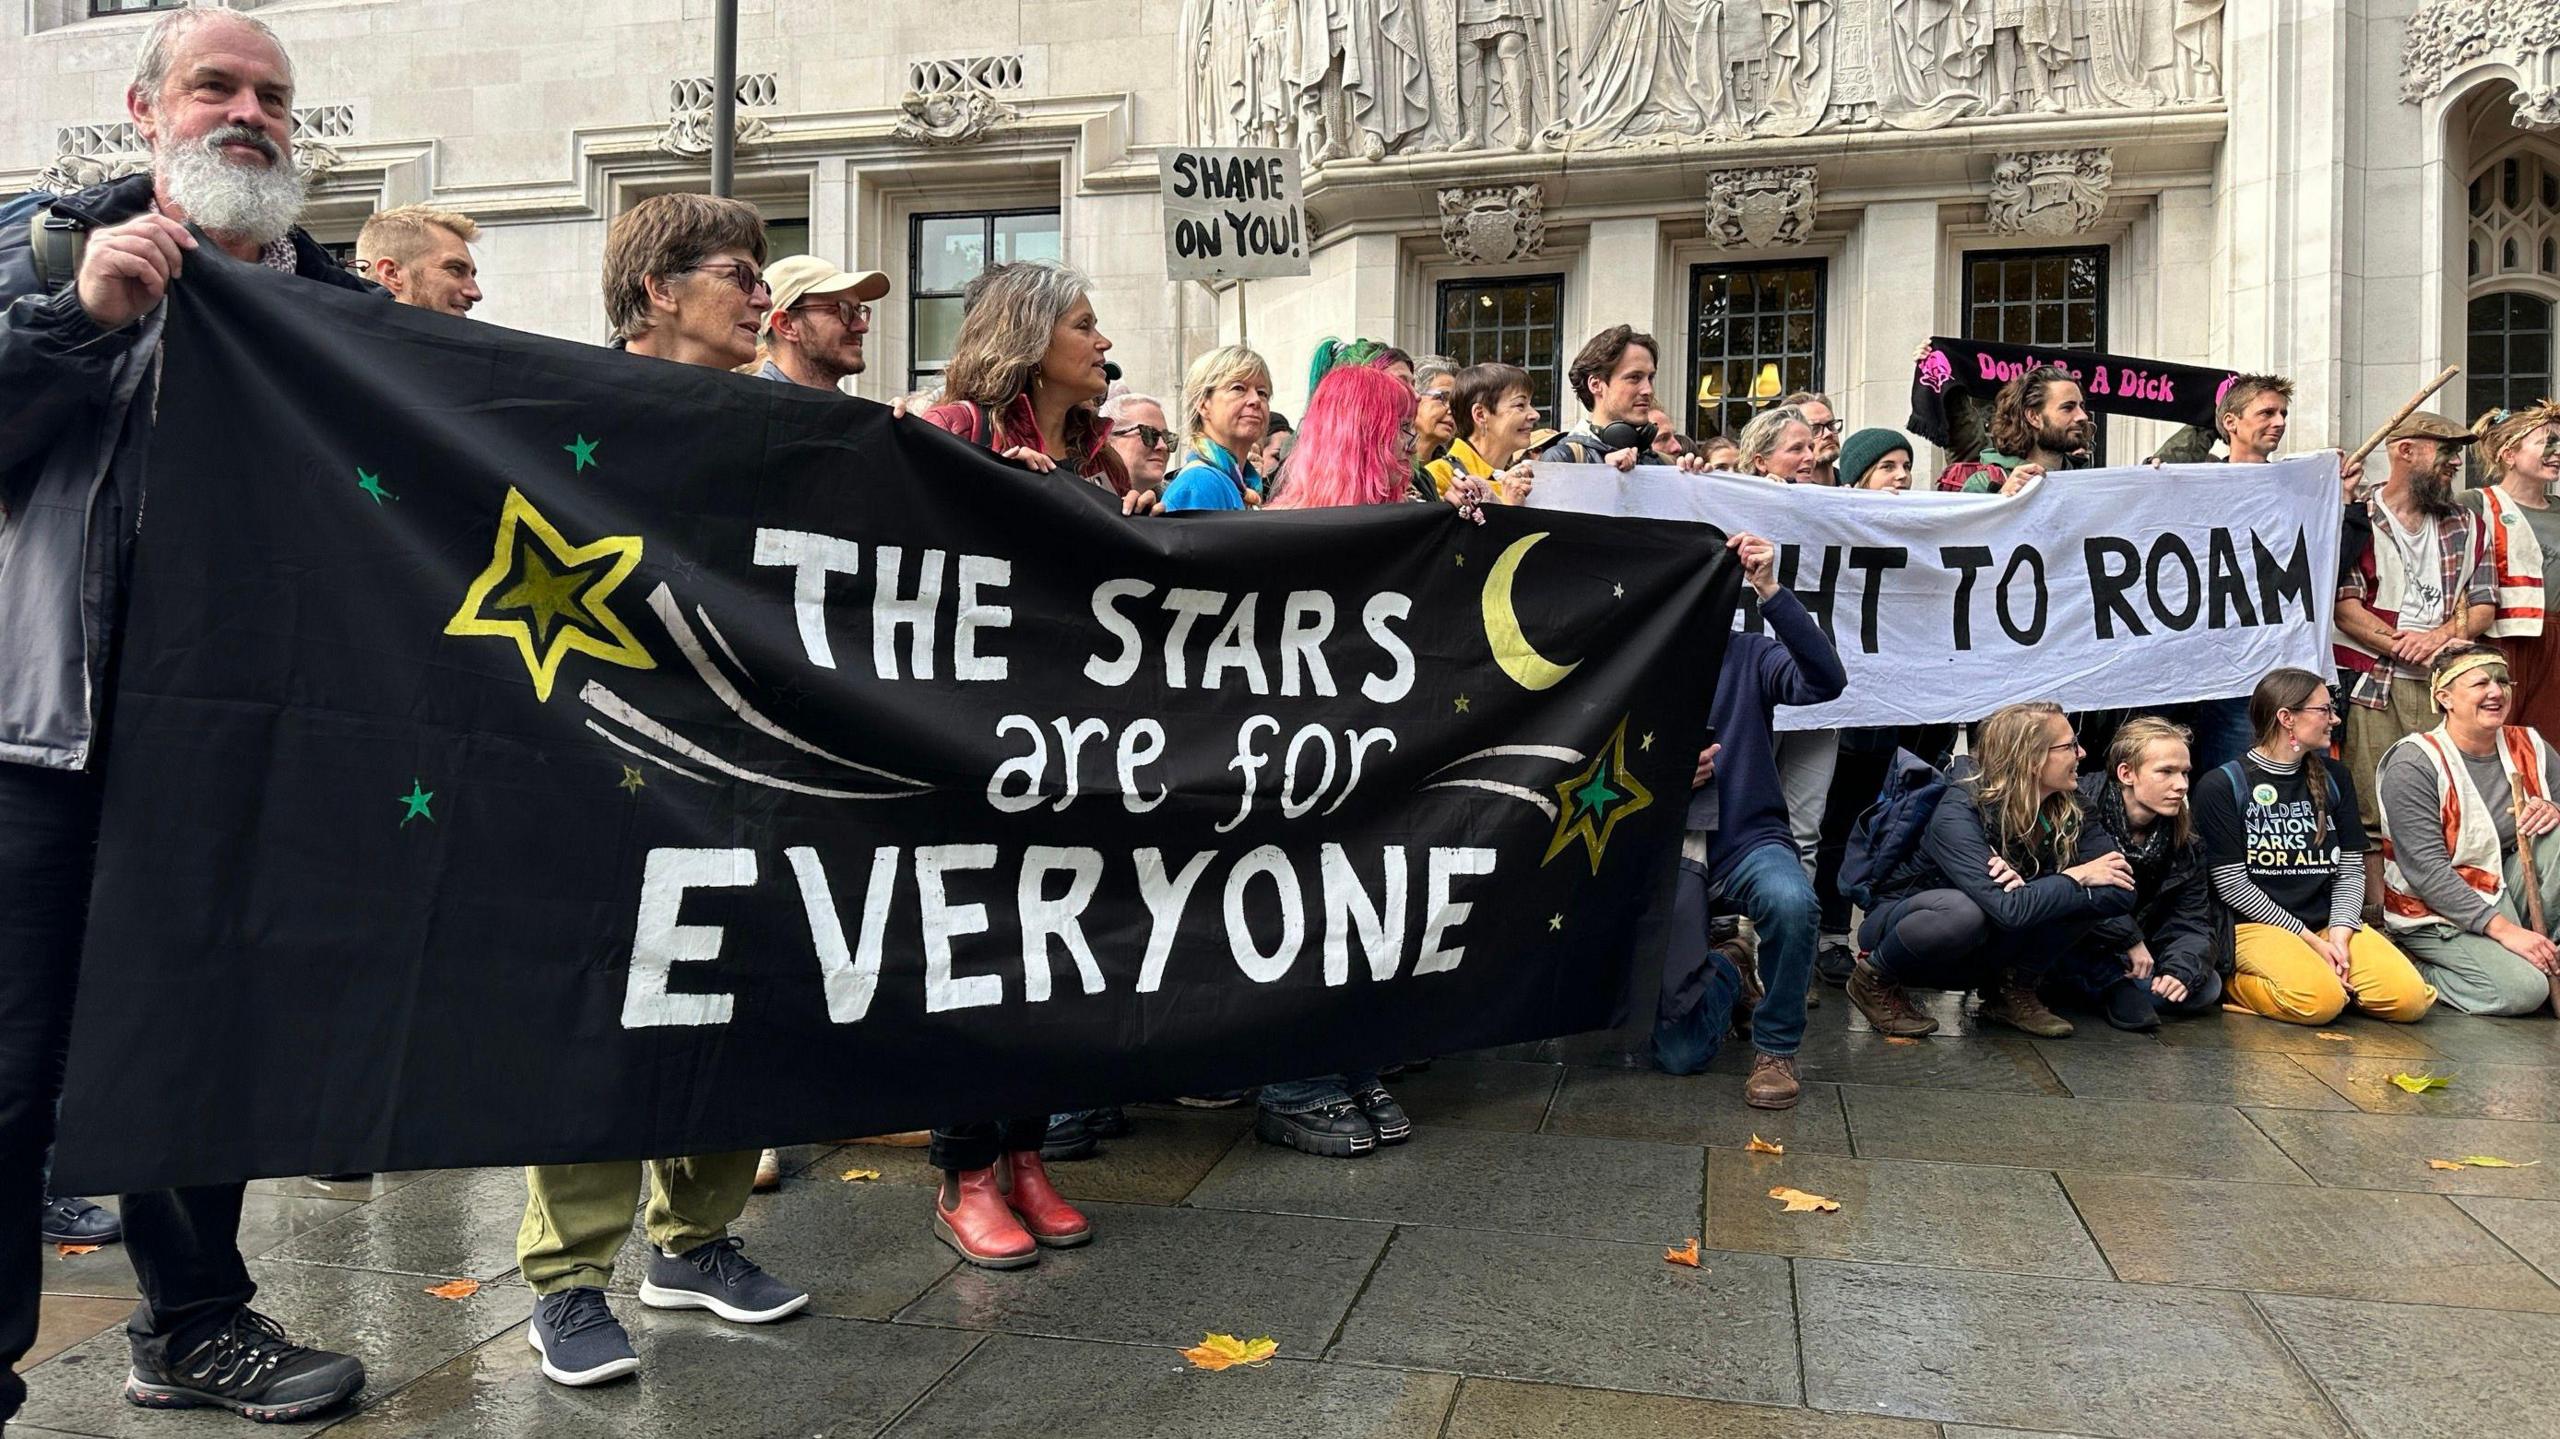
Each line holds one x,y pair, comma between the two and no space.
2112,384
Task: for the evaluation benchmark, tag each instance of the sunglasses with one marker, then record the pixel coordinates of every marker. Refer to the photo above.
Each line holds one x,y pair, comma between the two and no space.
1148,435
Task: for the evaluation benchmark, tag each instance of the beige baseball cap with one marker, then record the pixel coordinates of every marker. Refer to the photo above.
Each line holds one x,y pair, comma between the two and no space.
2423,425
801,276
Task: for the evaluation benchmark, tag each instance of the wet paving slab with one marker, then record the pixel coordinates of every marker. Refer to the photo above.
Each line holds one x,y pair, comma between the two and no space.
267,1222
2194,1075
1705,1109
2185,1141
1479,1093
1959,1216
2416,1372
1506,1409
2350,1034
2390,1151
2282,1238
2470,1089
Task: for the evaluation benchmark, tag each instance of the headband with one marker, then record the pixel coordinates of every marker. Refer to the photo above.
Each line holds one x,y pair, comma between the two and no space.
2478,659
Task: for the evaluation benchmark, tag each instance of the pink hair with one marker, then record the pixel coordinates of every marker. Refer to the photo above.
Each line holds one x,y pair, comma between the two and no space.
1351,448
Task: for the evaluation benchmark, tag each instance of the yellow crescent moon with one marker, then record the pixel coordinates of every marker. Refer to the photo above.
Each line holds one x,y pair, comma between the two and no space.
1511,649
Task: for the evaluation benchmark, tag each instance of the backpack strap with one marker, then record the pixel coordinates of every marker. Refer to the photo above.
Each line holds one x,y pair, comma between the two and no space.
55,243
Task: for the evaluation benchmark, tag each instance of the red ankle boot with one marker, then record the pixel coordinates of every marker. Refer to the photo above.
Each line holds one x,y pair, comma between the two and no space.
1042,1210
976,1222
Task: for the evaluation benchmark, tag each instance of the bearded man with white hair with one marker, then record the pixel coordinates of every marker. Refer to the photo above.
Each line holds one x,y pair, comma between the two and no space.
80,326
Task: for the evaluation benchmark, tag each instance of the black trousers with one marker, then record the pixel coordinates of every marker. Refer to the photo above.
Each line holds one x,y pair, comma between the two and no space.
1939,939
184,1243
975,1146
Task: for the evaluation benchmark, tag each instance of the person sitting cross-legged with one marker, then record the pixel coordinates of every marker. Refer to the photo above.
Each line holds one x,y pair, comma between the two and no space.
1950,918
2287,848
2460,804
2163,956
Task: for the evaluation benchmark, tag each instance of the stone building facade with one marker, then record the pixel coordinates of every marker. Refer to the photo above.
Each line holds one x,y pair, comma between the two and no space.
1790,193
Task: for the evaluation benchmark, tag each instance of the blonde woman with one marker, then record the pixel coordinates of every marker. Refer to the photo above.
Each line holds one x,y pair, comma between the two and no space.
1949,920
1778,443
1226,402
2521,452
2166,955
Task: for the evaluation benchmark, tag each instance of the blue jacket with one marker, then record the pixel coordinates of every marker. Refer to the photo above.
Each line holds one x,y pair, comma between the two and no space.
1743,807
1210,479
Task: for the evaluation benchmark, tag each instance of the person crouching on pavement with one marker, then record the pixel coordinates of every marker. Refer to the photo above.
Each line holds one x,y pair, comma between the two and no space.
2461,805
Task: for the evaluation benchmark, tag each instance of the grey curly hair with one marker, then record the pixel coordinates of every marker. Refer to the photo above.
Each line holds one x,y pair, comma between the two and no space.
160,42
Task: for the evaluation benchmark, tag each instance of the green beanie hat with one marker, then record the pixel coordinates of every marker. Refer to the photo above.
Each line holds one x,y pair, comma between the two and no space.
1859,453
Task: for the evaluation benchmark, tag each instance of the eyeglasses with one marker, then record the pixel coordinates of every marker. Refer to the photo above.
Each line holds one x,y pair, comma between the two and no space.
2072,744
1830,426
1443,396
746,277
849,312
2315,709
1148,435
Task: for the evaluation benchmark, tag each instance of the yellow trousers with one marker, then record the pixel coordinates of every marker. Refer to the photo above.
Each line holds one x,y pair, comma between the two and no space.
2282,977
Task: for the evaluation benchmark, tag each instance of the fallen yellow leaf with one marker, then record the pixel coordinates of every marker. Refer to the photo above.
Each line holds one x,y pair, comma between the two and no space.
1225,1351
2491,1161
74,1251
856,1176
1763,1146
2421,1083
458,1289
2444,1164
2331,1035
1685,1254
1799,1202
1900,1039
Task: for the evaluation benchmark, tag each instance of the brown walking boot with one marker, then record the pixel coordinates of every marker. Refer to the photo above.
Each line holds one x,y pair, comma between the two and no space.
1887,1008
2016,1004
1772,1084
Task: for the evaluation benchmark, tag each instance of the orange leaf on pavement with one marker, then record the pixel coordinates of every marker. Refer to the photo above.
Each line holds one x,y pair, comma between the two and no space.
1763,1146
74,1251
1799,1202
857,1176
2444,1164
1225,1351
2331,1035
458,1289
1685,1254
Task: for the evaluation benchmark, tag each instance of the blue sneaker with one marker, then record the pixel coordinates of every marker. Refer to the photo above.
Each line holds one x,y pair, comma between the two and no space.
717,1277
580,1341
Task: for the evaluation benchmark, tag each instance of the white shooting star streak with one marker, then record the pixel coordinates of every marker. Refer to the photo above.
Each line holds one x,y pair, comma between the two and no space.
1545,805
614,707
618,742
663,605
1535,751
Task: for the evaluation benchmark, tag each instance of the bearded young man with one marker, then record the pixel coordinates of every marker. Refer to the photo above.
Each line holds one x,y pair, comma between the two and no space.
212,94
2039,423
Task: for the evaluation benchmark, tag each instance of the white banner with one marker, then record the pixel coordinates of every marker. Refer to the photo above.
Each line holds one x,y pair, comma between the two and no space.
2101,589
1232,214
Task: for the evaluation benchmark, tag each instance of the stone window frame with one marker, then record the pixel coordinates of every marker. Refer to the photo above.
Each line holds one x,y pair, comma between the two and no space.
2104,303
917,376
1735,408
1550,400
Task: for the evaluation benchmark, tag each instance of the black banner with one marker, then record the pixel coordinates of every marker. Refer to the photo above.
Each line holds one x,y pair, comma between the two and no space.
1951,372
527,752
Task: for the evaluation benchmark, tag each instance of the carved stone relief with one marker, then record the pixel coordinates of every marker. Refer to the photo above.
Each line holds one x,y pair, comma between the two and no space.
688,132
1348,80
1761,206
1493,224
955,102
110,150
2049,192
2447,37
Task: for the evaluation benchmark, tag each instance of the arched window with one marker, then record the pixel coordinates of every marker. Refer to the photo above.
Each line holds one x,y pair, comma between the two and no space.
2514,263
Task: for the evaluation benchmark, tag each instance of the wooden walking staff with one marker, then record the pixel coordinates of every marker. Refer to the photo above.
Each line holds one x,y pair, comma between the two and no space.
2439,382
2532,882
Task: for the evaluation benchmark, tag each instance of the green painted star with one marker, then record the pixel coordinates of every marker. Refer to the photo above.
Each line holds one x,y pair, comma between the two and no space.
371,484
417,799
584,449
1462,704
633,779
1596,799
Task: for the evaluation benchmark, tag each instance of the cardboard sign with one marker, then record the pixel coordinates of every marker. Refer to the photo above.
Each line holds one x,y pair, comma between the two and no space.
1232,214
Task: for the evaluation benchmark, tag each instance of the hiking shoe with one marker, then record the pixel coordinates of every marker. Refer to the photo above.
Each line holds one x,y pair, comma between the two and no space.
2020,1007
1385,1116
1337,1131
1772,1084
717,1277
1888,1010
251,1369
580,1341
1109,1122
1834,960
77,1221
1070,1136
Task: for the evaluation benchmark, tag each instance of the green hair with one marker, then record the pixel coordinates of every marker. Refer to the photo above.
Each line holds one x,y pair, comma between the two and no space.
1332,354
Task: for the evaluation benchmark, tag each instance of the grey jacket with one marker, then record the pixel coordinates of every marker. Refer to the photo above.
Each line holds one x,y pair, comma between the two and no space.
74,440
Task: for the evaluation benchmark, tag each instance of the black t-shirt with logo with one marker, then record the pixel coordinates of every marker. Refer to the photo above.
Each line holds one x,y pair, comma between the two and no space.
2270,827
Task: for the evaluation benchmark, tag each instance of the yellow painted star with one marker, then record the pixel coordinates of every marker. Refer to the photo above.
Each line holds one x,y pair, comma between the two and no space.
549,595
633,779
1555,923
1646,744
1461,704
1596,799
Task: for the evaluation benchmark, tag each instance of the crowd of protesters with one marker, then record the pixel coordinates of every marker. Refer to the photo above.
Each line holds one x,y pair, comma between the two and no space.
2377,835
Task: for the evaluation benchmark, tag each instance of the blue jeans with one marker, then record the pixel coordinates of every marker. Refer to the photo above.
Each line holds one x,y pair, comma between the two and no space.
1769,886
2221,729
1299,1096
